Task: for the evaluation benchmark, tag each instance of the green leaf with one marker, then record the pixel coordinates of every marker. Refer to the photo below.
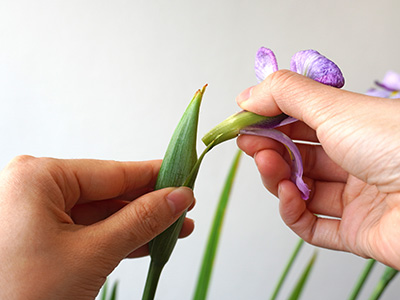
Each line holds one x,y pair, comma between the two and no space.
114,291
387,276
179,160
362,279
287,269
214,236
104,291
303,279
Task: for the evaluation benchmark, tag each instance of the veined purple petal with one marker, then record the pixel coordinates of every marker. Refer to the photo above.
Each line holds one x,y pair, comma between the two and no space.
265,63
390,82
297,164
297,167
316,66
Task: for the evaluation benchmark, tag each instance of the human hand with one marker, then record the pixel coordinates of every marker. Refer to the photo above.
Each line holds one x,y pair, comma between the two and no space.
66,224
354,173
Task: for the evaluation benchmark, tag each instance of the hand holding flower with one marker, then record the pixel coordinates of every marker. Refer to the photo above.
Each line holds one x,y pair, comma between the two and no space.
354,173
66,224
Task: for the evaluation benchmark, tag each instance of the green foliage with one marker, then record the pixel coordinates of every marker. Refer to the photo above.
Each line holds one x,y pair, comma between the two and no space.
287,269
362,279
387,276
113,295
299,287
214,235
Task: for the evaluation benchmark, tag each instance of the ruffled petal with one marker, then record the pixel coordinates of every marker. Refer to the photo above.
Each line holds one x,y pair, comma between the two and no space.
297,164
316,66
265,63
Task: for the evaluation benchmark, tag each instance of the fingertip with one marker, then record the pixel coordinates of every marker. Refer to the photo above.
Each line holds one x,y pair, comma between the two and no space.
243,142
291,205
187,228
179,200
259,99
244,96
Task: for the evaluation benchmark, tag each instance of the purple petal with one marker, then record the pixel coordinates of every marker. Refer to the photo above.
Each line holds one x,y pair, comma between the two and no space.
273,122
265,63
297,164
390,82
316,66
378,93
395,95
383,93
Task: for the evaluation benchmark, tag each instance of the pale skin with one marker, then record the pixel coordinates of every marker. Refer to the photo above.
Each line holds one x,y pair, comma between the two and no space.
353,174
66,224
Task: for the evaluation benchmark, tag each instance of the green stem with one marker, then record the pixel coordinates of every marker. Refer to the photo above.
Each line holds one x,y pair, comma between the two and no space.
230,127
287,269
153,276
386,278
363,277
190,180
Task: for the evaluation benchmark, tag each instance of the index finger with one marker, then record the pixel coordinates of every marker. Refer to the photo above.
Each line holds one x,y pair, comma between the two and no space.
86,180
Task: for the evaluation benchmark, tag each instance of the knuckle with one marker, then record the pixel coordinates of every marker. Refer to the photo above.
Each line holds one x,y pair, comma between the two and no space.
26,171
281,80
150,222
30,163
21,166
21,160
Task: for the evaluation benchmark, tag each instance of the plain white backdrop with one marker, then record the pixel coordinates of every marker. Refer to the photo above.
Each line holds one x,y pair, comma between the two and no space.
110,80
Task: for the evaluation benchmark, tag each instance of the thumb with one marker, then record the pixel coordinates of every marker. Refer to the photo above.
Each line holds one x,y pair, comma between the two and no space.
137,223
297,96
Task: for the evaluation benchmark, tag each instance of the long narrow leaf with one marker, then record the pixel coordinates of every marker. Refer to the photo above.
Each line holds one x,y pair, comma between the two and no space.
287,269
362,279
104,291
303,279
386,278
214,236
114,291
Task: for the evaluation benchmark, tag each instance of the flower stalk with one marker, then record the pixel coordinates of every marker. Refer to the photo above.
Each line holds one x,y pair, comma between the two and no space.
231,126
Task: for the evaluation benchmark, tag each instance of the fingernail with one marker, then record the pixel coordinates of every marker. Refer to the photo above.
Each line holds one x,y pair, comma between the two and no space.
180,199
244,96
279,190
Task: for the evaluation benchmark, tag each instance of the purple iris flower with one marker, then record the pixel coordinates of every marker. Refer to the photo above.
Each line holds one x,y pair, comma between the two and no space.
308,63
389,87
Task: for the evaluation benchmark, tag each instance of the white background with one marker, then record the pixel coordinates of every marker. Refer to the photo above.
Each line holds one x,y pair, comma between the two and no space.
110,80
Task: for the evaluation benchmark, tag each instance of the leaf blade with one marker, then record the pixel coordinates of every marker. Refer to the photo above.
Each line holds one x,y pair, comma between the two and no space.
214,236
